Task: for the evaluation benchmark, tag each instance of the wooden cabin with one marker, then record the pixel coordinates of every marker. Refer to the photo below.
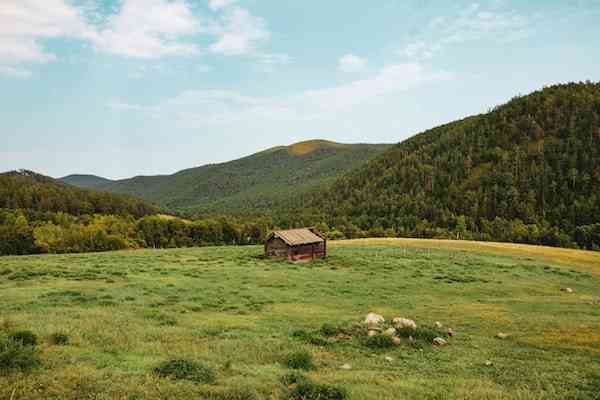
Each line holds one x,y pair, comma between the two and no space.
295,245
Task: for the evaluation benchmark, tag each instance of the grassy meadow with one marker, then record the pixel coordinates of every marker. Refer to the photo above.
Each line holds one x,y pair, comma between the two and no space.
125,313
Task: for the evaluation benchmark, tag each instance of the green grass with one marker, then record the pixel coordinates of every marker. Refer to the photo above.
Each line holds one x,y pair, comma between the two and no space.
125,313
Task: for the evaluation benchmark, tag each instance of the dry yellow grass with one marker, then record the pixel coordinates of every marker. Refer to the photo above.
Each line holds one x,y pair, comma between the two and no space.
309,146
491,312
583,338
588,261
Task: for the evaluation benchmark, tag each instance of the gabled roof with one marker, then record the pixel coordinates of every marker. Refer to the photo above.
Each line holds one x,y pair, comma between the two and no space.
295,237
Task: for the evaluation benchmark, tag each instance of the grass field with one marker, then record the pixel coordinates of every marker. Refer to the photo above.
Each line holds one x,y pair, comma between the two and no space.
127,312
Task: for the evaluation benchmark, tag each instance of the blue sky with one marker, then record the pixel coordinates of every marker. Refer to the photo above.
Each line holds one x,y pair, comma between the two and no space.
134,87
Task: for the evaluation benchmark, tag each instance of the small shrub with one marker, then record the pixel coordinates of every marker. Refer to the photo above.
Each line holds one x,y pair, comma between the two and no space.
293,378
300,360
406,332
308,390
187,370
310,338
26,338
15,356
329,330
59,339
424,333
379,342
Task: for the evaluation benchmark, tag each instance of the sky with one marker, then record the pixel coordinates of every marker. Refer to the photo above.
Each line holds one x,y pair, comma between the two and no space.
120,88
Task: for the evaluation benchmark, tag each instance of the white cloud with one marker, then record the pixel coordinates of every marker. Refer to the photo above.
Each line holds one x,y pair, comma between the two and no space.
469,25
352,63
220,107
24,23
240,33
149,29
220,4
142,29
389,80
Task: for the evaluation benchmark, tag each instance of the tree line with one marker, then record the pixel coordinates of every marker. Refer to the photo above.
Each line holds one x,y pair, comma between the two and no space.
31,232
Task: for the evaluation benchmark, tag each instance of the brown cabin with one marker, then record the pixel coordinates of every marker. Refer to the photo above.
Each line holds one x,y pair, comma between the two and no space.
295,245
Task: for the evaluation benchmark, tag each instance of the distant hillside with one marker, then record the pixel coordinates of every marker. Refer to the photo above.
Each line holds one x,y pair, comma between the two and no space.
252,185
85,181
31,191
527,171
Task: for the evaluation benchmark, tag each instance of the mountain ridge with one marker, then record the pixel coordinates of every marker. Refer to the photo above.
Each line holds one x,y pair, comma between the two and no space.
252,183
85,180
29,190
527,171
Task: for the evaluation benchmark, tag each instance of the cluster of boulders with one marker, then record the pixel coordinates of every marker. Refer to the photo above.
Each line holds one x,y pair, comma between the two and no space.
376,326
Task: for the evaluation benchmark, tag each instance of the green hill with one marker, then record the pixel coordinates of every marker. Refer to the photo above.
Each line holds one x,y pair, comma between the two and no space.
256,184
527,171
85,181
38,193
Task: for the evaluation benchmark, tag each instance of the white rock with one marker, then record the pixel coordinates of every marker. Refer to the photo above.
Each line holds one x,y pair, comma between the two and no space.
438,341
347,367
389,359
374,319
502,335
373,333
390,332
567,290
488,363
400,323
438,325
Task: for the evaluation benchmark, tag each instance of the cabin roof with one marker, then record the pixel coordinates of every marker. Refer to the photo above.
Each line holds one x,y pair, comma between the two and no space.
295,237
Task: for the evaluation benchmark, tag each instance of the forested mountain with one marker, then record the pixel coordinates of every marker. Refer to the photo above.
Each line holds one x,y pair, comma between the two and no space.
257,184
85,181
28,190
527,171
41,215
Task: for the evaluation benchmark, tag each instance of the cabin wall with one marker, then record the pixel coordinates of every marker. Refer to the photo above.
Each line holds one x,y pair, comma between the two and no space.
276,248
308,251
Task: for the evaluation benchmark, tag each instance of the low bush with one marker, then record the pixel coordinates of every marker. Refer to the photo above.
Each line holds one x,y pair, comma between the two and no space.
423,332
302,388
308,390
59,339
293,378
310,338
184,369
379,342
329,330
26,338
17,357
300,360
